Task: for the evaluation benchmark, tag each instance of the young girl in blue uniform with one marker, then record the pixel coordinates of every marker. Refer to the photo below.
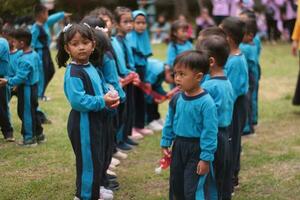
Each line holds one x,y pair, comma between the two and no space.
178,44
220,89
139,42
90,107
5,123
41,39
236,69
125,64
250,15
191,129
249,49
26,78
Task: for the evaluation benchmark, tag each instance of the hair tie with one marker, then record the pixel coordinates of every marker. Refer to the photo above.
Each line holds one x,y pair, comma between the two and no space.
86,25
66,28
105,30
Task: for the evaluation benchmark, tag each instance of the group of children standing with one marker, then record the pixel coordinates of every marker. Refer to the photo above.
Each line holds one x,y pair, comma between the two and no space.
114,89
216,106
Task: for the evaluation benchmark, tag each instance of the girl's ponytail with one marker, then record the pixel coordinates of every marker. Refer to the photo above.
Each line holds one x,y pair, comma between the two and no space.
62,56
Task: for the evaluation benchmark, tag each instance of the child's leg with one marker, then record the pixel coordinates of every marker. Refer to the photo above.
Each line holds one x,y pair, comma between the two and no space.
49,69
255,103
5,124
238,120
26,113
84,131
41,81
152,112
129,113
36,113
139,119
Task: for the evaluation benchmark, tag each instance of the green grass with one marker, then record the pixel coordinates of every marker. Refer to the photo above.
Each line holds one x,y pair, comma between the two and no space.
270,161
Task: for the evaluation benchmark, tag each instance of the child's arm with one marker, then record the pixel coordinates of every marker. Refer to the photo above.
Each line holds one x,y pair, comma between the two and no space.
35,33
52,19
208,138
84,102
111,76
167,132
21,76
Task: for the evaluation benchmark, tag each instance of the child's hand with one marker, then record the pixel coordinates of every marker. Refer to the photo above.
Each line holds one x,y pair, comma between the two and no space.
111,101
3,82
166,152
202,167
294,48
168,76
67,14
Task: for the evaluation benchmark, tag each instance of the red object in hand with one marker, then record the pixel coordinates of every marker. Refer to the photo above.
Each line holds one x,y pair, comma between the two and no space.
165,162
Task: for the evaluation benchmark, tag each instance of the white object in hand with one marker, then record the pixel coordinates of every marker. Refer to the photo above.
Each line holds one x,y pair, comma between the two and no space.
158,170
112,92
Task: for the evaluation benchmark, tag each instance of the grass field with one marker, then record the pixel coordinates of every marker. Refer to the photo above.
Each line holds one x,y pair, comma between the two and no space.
270,161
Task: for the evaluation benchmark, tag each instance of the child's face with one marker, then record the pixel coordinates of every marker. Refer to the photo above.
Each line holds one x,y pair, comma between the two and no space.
19,44
80,48
140,24
12,43
182,34
44,16
125,25
107,21
248,38
186,79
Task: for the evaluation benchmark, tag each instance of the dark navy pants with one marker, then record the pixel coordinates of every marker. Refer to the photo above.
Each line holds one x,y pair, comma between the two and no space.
5,123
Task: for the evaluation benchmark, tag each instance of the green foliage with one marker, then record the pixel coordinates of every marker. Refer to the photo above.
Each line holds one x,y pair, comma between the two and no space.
16,7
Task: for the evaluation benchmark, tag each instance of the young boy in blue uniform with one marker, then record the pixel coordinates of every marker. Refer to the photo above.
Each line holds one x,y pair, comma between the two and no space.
26,79
236,70
191,128
41,39
249,49
5,123
220,89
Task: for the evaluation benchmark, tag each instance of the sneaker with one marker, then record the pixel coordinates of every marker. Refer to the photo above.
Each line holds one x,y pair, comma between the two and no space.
131,142
106,196
111,173
76,198
41,138
161,121
45,98
115,162
10,139
144,131
155,126
124,146
28,143
111,177
112,167
104,190
113,185
135,135
120,155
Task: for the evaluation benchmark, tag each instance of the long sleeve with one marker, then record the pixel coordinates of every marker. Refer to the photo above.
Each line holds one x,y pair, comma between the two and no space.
167,133
55,18
208,138
171,55
78,98
111,76
22,74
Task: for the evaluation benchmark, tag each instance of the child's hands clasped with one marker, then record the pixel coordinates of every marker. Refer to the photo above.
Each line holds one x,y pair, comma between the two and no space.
111,101
3,82
202,167
166,152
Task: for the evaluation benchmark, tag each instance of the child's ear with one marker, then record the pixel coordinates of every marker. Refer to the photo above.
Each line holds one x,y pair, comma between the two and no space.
67,49
212,61
199,76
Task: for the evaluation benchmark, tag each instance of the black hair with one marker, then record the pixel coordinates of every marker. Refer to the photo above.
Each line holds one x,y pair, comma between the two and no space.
250,26
214,30
24,35
177,24
193,59
8,30
234,28
102,11
39,8
103,45
93,21
249,13
119,11
217,47
66,36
